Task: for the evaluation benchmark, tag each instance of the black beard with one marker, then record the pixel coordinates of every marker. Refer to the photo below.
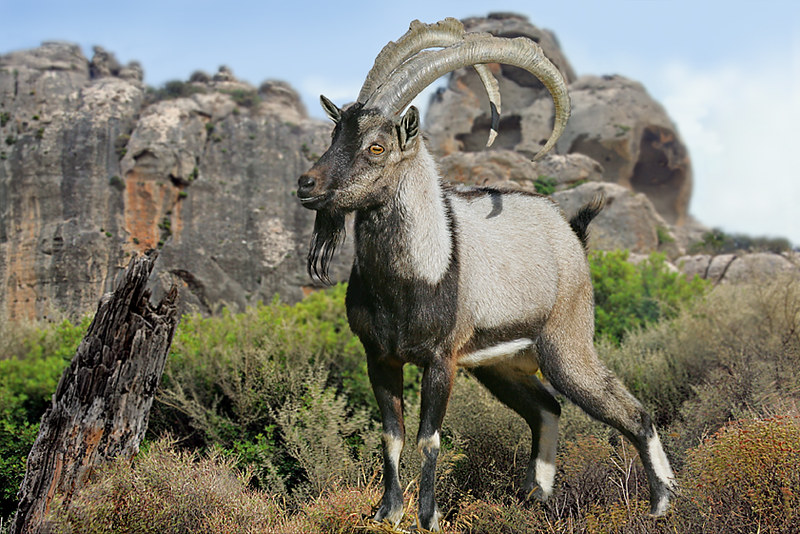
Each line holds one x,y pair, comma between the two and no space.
329,233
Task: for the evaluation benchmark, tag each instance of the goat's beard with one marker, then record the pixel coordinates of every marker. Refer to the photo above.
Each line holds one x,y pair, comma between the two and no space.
329,233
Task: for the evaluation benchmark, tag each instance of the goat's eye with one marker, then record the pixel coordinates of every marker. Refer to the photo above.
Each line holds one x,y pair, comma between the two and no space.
376,149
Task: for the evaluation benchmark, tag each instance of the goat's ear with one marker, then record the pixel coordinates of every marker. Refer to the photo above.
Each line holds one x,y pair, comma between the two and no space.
330,108
408,129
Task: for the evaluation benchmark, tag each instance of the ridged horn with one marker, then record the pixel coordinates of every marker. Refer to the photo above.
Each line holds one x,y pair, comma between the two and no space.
414,75
419,37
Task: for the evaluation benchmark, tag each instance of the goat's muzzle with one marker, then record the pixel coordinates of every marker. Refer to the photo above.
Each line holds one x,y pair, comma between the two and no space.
306,185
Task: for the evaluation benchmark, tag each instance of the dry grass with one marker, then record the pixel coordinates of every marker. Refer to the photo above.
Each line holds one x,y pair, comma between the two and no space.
721,377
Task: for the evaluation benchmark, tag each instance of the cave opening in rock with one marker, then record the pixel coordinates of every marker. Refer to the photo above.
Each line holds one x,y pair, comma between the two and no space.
661,173
509,134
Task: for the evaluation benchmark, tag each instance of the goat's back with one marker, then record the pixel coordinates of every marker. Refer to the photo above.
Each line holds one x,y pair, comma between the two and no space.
517,257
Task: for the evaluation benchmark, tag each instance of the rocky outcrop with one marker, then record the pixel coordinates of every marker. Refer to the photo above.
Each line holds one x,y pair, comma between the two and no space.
512,169
96,168
614,121
740,268
93,171
628,219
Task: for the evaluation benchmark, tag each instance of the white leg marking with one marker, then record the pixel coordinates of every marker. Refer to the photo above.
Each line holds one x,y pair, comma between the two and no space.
394,446
494,354
659,460
545,475
546,457
428,443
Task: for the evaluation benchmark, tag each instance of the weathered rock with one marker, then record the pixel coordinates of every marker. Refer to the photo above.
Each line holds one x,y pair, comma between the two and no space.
281,99
694,265
614,121
458,117
617,123
512,169
690,232
758,266
569,170
103,63
90,174
741,267
628,219
58,228
718,267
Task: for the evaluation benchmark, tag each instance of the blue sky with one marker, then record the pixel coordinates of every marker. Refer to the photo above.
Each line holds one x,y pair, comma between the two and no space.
716,66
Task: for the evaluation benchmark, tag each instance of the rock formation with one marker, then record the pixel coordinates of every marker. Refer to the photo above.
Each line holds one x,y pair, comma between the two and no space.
94,170
614,121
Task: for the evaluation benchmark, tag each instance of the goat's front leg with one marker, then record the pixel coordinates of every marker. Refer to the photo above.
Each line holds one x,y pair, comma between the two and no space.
386,378
437,381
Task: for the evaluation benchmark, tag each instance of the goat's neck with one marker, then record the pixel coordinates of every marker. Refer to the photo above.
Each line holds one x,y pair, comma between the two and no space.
411,235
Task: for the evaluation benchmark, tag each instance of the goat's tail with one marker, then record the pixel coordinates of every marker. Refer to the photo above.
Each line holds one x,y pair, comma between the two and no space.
580,221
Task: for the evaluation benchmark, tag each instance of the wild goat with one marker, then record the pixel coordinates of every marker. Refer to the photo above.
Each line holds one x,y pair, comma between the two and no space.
494,281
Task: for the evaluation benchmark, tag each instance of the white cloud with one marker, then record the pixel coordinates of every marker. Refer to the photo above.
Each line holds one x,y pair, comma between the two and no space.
741,129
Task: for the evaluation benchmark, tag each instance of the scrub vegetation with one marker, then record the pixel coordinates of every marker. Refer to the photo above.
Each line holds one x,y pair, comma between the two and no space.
265,422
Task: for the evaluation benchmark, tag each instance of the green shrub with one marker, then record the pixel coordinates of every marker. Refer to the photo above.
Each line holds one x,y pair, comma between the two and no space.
732,354
545,185
486,446
718,242
245,98
332,444
16,439
31,365
171,90
245,382
628,296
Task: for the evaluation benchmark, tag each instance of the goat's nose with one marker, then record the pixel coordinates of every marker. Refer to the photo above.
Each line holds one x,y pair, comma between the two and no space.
305,184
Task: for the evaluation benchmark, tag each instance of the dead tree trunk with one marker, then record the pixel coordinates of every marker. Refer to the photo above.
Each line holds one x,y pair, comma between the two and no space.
99,410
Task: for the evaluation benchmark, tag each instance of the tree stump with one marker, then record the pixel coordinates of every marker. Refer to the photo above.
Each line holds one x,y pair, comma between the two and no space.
100,409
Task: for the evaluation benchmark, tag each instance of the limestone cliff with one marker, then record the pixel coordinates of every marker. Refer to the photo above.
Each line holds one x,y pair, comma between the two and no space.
95,168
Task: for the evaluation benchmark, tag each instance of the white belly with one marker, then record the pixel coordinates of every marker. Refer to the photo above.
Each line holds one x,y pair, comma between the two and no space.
513,353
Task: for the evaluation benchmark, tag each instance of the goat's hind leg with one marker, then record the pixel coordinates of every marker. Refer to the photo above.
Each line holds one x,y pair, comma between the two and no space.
574,369
526,395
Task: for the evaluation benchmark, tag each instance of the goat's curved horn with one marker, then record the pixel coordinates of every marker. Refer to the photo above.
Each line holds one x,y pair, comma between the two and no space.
475,48
419,37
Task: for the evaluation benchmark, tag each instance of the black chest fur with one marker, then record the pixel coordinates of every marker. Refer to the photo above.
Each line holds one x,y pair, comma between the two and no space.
395,315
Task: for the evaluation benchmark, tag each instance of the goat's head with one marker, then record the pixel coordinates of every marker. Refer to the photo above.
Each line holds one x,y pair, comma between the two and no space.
356,172
371,138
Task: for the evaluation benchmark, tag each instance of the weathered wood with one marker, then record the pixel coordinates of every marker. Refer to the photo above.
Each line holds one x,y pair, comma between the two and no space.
100,409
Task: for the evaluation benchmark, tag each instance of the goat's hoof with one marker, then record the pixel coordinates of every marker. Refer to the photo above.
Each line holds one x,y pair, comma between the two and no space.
428,524
527,495
659,506
660,499
389,515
